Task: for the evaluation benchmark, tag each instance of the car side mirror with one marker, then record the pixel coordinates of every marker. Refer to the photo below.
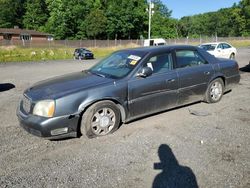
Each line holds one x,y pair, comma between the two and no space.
145,72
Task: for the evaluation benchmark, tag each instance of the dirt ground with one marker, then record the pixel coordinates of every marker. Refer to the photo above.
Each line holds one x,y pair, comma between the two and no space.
175,147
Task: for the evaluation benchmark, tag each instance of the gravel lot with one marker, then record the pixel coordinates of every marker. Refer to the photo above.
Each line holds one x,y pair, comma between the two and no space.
183,149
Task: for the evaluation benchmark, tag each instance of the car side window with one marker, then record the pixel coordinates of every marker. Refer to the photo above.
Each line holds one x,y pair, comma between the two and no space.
225,46
189,58
220,46
160,63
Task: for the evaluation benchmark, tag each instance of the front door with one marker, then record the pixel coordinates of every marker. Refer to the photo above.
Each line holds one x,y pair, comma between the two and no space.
156,92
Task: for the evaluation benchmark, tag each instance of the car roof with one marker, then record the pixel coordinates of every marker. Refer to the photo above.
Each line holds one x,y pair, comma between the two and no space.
81,48
216,43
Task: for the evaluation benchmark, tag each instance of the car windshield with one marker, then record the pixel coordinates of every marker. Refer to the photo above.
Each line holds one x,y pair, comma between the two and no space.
87,51
117,65
208,47
84,50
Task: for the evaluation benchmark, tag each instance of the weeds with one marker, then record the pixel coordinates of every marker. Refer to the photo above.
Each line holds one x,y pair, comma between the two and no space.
14,54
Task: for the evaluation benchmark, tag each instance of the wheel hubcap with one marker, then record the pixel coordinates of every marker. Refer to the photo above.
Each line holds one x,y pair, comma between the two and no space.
103,121
216,91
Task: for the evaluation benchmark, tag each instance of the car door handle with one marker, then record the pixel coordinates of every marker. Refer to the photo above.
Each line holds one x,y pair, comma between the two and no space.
207,73
171,80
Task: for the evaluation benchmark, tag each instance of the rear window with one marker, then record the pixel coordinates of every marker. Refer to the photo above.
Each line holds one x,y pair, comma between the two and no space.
208,47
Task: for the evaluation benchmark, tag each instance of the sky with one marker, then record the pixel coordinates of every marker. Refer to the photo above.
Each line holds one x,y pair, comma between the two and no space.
182,8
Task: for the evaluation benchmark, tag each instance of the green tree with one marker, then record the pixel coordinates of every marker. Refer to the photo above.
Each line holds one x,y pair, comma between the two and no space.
66,17
11,13
126,18
225,22
95,23
244,5
36,14
162,25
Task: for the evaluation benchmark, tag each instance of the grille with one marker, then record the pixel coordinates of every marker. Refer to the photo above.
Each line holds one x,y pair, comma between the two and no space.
26,104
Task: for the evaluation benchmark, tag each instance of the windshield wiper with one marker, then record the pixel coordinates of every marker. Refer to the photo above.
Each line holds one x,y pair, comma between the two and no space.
98,74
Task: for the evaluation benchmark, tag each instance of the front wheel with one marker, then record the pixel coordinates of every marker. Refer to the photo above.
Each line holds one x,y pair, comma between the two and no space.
100,119
215,91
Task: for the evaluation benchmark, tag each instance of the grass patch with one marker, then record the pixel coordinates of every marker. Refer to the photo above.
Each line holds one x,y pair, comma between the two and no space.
240,43
15,54
103,52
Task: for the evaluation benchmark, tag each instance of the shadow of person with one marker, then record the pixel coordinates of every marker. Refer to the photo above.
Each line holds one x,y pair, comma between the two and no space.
246,68
173,175
6,86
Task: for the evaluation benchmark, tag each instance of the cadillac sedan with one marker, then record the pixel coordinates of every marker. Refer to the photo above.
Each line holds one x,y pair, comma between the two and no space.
126,85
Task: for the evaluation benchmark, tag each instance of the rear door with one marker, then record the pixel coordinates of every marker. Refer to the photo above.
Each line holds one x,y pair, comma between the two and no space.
227,50
194,73
156,92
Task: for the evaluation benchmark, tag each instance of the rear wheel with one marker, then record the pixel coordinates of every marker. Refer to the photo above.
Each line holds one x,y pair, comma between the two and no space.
215,91
232,56
100,119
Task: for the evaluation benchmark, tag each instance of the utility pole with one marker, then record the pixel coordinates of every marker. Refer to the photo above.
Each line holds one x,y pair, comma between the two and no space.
150,12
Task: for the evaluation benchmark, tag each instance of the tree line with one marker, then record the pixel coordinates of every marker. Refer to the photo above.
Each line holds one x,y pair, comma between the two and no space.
120,19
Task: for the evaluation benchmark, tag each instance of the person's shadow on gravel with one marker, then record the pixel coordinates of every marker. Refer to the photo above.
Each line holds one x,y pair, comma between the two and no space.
246,68
173,175
6,86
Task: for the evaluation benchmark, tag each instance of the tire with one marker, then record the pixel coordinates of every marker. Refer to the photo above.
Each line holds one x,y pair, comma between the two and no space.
232,56
215,91
82,57
100,119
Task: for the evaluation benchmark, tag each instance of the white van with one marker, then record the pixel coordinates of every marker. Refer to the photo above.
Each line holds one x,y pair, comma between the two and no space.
154,42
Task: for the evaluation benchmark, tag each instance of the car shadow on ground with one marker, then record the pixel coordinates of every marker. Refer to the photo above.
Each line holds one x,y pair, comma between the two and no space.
6,87
173,175
246,68
160,112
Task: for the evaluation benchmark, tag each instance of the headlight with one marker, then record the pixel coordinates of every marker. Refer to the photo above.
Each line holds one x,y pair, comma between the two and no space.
44,108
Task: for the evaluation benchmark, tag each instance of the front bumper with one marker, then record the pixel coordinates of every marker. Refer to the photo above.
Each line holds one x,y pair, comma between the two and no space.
88,57
47,127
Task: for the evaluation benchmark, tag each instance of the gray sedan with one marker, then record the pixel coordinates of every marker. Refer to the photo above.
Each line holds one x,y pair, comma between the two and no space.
126,85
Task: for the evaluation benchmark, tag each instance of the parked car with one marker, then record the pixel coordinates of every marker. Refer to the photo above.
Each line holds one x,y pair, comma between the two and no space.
126,85
220,49
83,53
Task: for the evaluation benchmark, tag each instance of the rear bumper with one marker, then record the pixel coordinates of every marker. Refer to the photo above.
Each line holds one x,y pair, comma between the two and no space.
232,81
49,128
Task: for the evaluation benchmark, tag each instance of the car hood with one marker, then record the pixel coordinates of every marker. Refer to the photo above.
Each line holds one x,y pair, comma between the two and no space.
65,85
